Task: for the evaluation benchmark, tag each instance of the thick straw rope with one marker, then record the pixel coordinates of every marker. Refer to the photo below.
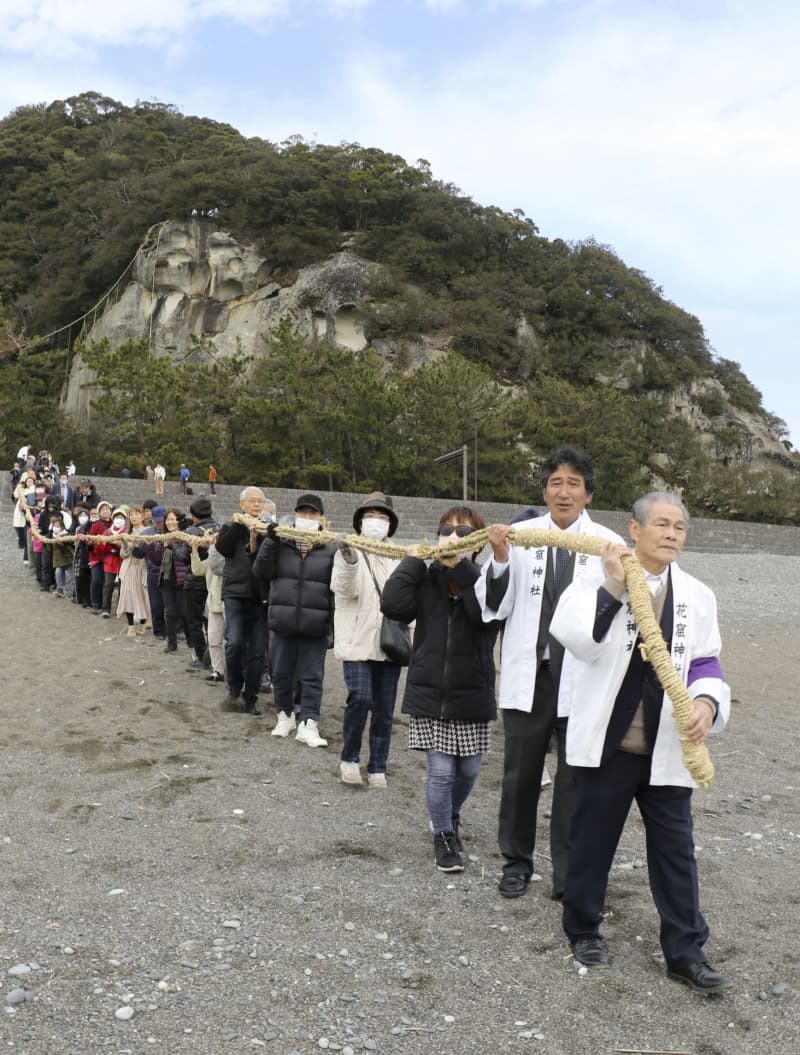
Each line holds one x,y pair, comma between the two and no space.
695,756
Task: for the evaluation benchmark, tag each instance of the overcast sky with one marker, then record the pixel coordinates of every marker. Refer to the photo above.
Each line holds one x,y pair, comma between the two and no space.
667,129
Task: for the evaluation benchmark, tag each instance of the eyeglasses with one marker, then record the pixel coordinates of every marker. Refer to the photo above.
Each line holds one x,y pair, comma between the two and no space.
462,530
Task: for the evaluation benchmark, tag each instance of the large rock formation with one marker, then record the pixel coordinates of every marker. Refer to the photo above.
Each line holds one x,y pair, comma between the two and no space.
191,281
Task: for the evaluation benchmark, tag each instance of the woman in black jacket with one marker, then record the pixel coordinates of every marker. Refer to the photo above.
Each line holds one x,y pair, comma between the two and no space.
450,685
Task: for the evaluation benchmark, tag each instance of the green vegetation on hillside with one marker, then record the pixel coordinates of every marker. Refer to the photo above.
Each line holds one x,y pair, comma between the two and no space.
82,180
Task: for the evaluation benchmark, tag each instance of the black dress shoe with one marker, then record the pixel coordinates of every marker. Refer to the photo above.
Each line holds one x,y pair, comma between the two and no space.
701,976
232,702
513,885
591,952
253,708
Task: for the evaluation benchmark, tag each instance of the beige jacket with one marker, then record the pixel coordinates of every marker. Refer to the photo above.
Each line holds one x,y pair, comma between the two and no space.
357,617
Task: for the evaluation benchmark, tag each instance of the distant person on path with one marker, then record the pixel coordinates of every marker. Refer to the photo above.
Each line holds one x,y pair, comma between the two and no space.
623,741
371,678
184,475
160,476
149,474
212,479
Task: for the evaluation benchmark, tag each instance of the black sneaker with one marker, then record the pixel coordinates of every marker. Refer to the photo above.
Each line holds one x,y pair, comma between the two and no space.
215,677
448,859
232,702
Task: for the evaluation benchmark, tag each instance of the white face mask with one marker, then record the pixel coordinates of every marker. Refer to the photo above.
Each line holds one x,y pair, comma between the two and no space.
119,522
374,527
83,519
306,524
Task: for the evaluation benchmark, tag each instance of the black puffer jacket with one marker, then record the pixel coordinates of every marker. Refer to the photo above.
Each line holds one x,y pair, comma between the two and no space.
451,674
238,579
300,598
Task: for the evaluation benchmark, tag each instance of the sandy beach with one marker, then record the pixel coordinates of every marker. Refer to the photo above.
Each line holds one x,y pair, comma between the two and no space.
173,879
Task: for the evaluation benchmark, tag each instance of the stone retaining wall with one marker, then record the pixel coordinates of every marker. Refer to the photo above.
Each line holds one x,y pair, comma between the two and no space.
419,516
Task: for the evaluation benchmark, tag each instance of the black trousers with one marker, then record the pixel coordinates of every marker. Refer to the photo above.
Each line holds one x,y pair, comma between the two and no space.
194,604
82,581
604,799
156,601
174,615
527,737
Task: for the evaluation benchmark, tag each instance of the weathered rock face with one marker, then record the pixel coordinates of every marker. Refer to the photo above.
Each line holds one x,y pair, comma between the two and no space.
728,433
189,280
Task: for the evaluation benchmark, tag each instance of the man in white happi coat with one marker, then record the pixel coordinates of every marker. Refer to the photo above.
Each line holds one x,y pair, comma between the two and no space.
522,587
623,741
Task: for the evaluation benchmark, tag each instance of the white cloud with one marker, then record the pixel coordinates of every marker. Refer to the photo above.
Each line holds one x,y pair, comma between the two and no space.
62,27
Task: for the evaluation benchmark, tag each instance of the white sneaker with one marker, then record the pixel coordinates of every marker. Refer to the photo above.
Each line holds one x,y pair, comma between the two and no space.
376,780
308,734
351,774
285,725
546,781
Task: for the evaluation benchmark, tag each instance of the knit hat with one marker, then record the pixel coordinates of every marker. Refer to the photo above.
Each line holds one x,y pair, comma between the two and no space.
104,503
376,500
201,507
312,501
124,509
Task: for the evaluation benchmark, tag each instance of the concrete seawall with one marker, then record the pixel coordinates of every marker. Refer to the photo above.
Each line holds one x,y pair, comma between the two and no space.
419,516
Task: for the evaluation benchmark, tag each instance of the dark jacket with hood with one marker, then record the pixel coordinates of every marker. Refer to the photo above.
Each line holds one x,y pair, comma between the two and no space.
300,597
451,673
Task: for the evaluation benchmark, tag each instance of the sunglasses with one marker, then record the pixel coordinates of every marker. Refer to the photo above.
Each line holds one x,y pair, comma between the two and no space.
462,530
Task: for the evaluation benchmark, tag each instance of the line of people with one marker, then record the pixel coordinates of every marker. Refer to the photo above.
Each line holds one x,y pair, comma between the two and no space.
570,670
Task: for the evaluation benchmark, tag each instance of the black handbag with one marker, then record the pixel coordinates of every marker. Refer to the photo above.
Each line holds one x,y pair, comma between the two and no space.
395,636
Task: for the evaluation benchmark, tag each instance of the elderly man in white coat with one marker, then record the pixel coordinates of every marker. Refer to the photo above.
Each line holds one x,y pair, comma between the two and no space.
623,740
522,587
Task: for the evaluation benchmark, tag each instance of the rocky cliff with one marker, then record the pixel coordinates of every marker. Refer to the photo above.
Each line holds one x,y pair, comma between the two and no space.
191,281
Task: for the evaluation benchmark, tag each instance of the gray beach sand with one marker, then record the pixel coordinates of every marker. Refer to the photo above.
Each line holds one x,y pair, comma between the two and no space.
173,879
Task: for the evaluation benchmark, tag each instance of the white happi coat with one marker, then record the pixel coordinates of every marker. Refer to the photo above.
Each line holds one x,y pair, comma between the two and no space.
600,667
521,608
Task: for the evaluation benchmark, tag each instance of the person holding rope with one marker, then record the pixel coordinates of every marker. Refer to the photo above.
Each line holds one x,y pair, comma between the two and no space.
522,587
300,620
623,742
370,676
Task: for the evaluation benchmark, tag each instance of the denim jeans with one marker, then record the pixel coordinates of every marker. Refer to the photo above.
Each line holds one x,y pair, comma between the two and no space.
371,689
301,660
245,645
64,580
450,780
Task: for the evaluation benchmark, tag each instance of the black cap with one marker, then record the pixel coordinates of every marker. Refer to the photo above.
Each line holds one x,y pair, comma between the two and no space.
312,501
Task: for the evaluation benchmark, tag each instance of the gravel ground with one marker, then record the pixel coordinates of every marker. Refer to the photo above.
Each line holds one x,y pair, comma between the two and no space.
172,879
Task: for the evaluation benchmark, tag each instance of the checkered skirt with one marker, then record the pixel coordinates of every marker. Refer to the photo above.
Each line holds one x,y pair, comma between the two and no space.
449,737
